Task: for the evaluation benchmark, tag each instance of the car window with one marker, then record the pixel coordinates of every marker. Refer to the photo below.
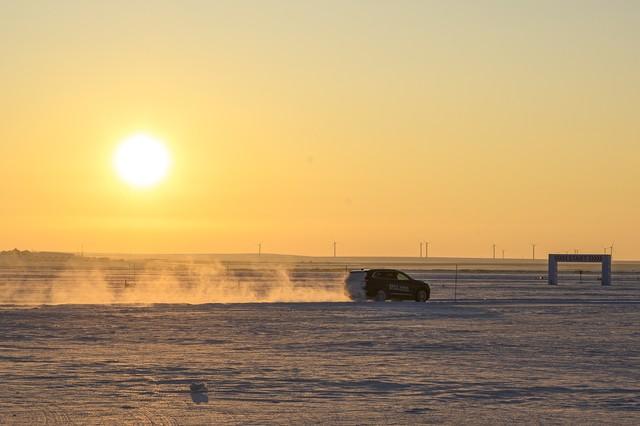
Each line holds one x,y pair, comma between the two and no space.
402,277
384,275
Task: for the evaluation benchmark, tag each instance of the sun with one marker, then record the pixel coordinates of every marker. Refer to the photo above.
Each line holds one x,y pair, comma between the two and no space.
142,160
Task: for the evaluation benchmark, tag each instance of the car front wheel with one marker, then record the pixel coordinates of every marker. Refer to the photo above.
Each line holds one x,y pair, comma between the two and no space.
421,296
381,296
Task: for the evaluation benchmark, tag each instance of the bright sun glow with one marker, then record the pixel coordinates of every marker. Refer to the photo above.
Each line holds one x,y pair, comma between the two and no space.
142,161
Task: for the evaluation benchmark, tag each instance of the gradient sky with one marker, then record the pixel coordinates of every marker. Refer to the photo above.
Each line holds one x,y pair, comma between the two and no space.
378,124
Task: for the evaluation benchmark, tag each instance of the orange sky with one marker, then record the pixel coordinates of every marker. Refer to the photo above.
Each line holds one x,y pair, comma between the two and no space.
376,124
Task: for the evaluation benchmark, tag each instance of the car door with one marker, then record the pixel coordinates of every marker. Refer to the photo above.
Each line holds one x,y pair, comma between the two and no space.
376,283
403,285
382,281
391,285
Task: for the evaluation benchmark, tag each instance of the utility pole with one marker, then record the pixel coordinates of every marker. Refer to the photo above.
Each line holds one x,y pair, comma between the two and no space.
259,249
502,254
494,251
334,249
534,251
420,249
426,249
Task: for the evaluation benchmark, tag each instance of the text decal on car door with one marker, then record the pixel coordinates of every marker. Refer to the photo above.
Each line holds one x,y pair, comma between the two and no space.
398,287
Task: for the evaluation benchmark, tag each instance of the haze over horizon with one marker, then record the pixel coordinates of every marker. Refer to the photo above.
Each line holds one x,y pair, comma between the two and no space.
374,124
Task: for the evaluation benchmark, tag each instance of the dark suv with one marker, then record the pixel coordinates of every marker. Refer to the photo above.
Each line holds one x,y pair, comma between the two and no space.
383,284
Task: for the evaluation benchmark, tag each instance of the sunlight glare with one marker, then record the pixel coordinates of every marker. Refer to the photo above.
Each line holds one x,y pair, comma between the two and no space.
142,160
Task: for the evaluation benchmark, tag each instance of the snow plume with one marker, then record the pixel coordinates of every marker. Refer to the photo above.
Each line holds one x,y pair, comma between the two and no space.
173,283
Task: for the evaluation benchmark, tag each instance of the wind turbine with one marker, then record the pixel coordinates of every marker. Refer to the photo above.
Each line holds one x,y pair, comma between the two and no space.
611,248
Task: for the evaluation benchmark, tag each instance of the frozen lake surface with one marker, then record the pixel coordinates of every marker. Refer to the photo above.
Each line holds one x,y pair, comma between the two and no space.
508,351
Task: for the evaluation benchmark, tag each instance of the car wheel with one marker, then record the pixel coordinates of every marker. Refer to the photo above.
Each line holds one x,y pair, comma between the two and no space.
381,296
421,296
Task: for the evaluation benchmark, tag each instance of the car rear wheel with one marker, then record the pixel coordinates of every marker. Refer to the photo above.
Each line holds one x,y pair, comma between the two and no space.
421,296
381,296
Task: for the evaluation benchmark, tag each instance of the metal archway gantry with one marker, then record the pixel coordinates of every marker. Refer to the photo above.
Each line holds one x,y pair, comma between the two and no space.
604,259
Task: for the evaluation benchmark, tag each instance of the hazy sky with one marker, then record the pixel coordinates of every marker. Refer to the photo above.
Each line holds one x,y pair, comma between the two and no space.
374,123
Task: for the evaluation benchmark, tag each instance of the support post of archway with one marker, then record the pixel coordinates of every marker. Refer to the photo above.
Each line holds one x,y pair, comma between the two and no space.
606,270
553,270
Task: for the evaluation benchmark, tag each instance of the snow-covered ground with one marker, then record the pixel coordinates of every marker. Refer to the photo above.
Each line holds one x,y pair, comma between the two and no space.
508,350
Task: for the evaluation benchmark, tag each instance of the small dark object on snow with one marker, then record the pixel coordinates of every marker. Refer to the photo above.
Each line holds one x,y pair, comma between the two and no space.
199,387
